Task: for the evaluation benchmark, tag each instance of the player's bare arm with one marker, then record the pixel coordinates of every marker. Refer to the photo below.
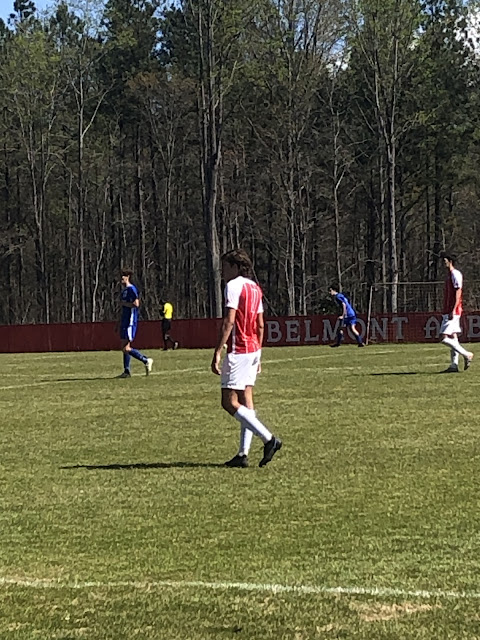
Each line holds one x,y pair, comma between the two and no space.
458,297
260,332
260,329
225,331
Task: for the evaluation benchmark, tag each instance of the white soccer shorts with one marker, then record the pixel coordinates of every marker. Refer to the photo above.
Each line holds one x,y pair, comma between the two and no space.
239,370
450,326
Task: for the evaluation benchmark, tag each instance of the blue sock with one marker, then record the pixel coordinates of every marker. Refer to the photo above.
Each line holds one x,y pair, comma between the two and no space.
339,337
359,339
126,362
138,356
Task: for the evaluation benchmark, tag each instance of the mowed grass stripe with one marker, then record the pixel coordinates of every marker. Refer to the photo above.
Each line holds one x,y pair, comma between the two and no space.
205,369
118,487
382,592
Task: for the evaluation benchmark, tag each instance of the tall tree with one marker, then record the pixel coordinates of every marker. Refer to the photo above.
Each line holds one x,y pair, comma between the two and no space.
33,94
386,32
216,29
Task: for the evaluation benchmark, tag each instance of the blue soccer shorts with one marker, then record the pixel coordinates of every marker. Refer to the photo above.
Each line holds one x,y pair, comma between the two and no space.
128,332
349,320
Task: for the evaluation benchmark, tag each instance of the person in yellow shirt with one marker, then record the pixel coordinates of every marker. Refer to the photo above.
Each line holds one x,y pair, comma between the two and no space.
166,314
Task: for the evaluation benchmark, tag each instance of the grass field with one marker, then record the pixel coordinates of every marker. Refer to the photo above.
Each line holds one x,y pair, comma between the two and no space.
118,520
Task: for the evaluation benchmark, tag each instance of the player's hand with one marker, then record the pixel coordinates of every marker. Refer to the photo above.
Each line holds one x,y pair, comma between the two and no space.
259,368
215,366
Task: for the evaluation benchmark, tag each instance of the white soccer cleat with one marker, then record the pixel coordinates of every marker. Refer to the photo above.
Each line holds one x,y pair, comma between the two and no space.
148,366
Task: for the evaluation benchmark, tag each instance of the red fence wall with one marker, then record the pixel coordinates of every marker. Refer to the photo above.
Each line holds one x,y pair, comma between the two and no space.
202,333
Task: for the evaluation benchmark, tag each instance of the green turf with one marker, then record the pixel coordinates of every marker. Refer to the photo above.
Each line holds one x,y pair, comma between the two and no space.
118,482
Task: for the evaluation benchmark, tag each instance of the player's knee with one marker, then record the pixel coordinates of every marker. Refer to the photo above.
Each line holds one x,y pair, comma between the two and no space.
229,406
127,348
226,404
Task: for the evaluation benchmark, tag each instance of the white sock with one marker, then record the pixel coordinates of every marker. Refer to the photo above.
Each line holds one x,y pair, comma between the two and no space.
461,350
248,418
454,358
454,344
246,436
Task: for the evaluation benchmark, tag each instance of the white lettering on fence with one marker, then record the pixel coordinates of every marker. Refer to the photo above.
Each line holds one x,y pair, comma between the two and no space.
308,335
432,327
329,331
299,330
399,321
377,330
473,326
292,327
273,331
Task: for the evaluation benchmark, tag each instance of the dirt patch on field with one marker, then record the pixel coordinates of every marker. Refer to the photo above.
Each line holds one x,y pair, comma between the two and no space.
377,612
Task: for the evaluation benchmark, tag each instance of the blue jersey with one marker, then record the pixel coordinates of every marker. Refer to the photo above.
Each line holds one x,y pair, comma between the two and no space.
349,310
129,315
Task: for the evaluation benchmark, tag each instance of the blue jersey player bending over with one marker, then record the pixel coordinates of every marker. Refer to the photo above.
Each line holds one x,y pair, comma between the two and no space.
128,325
348,317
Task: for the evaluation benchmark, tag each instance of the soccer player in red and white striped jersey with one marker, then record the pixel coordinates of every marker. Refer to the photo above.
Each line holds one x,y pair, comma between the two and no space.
452,311
242,331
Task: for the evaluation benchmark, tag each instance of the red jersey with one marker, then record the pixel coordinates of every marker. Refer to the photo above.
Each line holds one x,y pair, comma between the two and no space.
245,296
453,281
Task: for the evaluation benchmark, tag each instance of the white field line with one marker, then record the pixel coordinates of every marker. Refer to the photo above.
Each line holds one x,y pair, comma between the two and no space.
377,353
43,355
169,372
73,378
70,354
35,583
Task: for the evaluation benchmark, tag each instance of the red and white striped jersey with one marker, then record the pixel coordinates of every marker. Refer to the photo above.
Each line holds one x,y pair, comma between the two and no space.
453,281
245,296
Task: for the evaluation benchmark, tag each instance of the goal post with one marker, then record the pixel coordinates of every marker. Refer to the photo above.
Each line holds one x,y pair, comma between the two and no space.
369,315
411,297
420,297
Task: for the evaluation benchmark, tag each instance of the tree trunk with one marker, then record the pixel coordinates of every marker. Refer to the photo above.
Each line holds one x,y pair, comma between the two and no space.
211,105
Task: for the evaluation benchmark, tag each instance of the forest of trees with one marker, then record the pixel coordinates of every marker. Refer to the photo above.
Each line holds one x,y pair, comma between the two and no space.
335,140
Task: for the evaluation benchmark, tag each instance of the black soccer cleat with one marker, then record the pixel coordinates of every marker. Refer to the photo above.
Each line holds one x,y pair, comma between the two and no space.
270,448
237,461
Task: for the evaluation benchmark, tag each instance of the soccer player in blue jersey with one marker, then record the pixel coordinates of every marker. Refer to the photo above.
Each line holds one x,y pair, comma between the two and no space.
348,317
128,325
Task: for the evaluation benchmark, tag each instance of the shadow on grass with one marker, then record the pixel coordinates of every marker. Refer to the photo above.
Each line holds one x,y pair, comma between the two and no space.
410,373
82,379
400,373
145,465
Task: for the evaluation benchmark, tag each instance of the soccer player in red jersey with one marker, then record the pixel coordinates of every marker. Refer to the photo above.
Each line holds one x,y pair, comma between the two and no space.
452,311
242,332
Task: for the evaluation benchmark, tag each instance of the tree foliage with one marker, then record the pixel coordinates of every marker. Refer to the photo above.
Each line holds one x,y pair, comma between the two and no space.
334,140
